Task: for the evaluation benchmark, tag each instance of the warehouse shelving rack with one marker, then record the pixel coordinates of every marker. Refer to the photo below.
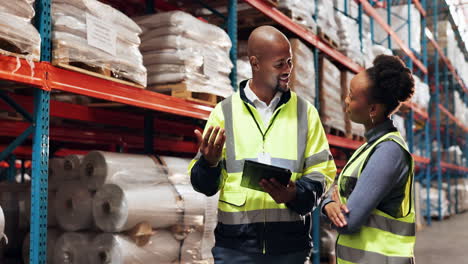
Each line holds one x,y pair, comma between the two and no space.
47,77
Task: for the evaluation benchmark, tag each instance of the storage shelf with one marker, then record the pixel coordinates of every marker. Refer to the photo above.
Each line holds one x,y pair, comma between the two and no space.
442,56
304,34
49,77
453,118
373,13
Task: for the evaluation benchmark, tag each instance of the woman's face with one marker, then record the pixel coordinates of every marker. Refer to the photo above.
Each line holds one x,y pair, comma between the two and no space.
357,102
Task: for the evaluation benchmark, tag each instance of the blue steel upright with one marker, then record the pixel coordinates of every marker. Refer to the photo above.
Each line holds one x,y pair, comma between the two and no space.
232,31
40,155
437,109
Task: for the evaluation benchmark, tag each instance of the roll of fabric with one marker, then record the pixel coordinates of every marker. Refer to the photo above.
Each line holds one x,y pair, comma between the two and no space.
176,168
194,204
117,208
52,237
51,214
191,249
56,173
71,167
99,168
73,207
2,226
162,248
73,248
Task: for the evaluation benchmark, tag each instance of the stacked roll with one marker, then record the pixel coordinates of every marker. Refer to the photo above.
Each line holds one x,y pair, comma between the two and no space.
52,237
17,35
174,49
93,35
161,247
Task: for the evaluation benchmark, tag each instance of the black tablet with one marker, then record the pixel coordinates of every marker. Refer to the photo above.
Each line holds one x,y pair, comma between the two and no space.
254,172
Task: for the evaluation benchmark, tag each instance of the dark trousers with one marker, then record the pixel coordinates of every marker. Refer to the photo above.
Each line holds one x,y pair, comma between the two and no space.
231,256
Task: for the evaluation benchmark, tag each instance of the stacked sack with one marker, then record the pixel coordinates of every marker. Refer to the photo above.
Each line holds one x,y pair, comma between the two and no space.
130,209
300,12
303,72
326,20
348,34
244,70
461,109
421,95
175,49
331,96
76,23
17,34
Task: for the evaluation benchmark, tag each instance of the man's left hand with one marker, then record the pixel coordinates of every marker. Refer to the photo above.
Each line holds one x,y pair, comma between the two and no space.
279,193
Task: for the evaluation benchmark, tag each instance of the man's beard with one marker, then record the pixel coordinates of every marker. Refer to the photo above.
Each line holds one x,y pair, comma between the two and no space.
278,87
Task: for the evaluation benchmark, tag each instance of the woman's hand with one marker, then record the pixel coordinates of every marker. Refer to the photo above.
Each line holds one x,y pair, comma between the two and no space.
335,209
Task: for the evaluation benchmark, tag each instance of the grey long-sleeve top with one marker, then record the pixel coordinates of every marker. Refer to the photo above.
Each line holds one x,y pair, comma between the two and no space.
379,185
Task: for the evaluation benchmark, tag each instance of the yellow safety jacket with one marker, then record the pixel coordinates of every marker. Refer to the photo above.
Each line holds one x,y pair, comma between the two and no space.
250,220
383,239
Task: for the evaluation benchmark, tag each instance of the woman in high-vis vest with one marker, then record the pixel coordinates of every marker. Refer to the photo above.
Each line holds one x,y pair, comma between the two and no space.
372,204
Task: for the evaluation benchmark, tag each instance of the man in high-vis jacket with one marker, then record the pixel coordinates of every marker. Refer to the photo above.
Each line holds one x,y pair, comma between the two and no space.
266,122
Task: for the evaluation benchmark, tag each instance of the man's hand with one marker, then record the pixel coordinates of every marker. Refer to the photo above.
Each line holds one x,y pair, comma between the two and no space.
211,145
335,209
279,193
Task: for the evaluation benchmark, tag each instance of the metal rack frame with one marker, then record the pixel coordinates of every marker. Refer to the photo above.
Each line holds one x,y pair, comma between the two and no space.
47,77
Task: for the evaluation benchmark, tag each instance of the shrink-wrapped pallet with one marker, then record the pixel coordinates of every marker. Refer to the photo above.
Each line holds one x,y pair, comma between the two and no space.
300,12
421,94
331,94
303,72
99,168
244,70
18,37
96,37
348,33
174,49
161,248
326,20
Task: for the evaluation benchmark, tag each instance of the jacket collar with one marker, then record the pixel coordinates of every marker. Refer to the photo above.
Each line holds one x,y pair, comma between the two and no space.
284,98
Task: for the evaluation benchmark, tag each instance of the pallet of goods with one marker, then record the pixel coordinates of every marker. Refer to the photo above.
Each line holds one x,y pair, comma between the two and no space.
95,39
174,47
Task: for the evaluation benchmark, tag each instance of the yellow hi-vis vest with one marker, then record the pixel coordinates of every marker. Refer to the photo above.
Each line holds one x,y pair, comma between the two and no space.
383,239
294,141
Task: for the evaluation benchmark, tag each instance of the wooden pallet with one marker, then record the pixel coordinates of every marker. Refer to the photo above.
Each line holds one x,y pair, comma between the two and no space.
334,131
99,72
326,38
181,90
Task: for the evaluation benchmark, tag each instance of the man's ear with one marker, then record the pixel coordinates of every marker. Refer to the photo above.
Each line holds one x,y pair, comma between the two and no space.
254,63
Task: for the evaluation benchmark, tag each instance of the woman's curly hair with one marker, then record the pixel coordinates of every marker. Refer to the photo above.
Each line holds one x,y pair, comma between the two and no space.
391,82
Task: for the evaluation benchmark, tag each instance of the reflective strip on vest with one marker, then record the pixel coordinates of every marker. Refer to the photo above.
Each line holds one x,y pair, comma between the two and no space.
391,225
236,166
258,216
318,158
367,257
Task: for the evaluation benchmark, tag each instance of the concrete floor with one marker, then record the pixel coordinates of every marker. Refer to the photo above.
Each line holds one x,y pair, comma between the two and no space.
444,241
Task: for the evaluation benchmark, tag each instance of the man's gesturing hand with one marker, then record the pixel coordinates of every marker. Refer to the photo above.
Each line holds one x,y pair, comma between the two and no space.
211,145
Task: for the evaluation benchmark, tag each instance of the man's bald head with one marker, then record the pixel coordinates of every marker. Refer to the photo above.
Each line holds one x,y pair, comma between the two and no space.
265,38
270,58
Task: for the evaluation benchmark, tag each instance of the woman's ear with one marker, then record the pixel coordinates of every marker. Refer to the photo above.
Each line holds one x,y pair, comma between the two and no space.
377,110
